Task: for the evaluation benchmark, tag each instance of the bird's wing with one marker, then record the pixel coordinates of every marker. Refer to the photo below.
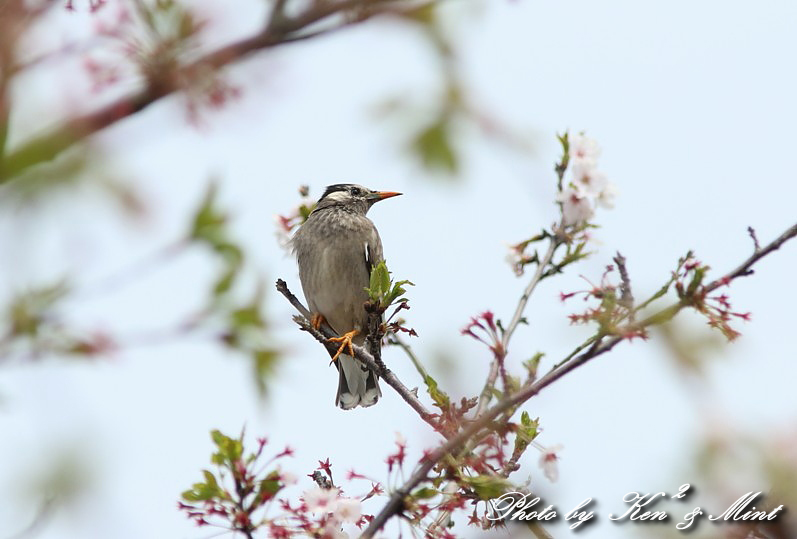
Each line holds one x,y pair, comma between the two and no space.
373,251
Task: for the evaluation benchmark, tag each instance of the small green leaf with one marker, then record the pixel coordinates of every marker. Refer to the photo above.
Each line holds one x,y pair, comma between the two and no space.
425,493
440,398
210,479
379,282
247,317
229,449
487,487
533,364
384,277
264,363
224,283
201,492
433,145
526,432
207,218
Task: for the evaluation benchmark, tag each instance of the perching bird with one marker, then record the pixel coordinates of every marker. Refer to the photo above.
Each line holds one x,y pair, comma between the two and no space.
336,248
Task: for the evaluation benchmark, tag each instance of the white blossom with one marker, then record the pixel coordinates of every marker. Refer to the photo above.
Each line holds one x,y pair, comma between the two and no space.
588,187
588,179
321,500
605,198
583,149
576,206
348,510
515,259
548,462
400,439
288,478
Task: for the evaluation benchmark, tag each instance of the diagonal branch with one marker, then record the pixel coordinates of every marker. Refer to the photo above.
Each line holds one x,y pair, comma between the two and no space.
599,347
745,268
279,30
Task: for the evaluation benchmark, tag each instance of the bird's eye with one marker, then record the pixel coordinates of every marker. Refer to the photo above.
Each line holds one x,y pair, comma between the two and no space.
356,191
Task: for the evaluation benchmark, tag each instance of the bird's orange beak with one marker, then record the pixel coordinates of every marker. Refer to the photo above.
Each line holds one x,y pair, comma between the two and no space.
382,195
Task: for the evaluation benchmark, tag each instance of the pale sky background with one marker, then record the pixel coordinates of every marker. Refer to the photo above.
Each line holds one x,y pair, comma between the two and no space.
693,105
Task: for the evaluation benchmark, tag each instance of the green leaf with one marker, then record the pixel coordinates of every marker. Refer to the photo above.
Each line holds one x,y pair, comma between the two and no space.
210,479
268,487
526,432
433,145
379,282
425,493
487,487
440,398
533,364
229,449
384,277
201,492
264,363
225,282
397,291
247,317
207,219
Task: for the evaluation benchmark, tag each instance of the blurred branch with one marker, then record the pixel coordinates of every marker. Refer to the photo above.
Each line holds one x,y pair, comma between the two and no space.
132,272
325,333
279,30
600,346
40,519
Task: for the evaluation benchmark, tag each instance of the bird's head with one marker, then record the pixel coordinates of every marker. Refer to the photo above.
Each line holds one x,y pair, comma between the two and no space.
352,196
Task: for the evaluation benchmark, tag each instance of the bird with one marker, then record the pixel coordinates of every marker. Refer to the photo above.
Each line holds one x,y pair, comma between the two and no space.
335,248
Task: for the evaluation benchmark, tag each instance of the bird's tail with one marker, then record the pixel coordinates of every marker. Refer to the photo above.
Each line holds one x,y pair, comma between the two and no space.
357,385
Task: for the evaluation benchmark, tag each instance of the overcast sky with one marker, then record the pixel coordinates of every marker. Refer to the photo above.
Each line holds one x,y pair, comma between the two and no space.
693,105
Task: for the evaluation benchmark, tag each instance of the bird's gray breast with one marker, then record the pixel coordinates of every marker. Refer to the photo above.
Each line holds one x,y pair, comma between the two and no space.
331,247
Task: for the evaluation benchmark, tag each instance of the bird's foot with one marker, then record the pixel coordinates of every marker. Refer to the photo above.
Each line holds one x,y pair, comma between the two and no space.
317,320
345,342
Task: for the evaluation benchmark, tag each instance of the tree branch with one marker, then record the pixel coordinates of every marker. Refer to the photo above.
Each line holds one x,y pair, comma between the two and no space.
599,347
278,31
745,268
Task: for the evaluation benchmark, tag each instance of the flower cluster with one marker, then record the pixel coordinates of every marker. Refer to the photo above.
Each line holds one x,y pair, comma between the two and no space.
333,509
717,309
587,187
613,314
485,330
244,496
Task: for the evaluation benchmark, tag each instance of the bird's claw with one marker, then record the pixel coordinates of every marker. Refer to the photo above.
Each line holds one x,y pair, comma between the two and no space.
345,342
317,320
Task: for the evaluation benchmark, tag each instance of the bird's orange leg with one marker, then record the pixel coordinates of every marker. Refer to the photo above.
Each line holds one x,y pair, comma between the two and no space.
317,320
345,341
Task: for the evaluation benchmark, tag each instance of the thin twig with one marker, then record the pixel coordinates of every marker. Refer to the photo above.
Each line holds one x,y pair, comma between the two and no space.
626,296
495,366
756,245
745,268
